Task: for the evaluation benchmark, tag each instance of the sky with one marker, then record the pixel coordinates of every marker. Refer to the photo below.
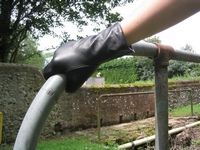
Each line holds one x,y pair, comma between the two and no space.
186,32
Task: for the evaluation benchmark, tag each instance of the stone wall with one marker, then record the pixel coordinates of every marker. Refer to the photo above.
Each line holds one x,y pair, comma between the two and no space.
19,84
185,92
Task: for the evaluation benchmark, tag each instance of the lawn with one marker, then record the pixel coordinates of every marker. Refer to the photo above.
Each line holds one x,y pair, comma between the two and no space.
185,111
72,145
68,144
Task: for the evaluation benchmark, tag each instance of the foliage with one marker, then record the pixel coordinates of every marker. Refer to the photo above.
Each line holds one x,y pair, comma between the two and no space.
197,142
144,68
48,56
29,53
155,39
194,71
18,17
118,71
5,147
180,68
187,47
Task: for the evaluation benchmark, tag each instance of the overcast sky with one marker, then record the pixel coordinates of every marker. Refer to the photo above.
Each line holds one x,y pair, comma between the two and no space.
186,32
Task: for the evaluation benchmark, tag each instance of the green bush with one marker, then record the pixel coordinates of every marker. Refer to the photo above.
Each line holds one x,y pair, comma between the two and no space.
118,71
132,69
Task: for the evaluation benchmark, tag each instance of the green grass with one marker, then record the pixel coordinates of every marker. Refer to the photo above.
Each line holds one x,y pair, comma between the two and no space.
196,142
5,147
69,144
174,79
184,78
185,111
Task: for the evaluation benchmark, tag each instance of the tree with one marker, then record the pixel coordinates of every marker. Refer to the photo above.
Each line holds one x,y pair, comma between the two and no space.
19,17
144,68
187,47
29,53
177,68
153,39
180,68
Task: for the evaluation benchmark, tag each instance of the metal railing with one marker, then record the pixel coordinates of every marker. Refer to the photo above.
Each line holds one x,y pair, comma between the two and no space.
132,94
111,95
27,137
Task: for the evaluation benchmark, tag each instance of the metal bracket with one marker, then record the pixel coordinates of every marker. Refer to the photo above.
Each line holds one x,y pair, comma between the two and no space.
165,53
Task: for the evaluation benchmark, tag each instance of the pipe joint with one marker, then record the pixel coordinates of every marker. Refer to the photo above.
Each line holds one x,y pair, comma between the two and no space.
164,54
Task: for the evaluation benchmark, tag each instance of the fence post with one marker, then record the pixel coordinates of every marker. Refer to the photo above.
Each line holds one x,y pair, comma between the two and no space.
161,94
191,102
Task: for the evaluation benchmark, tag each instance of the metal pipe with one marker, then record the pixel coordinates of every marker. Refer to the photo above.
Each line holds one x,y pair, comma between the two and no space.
152,138
143,48
161,105
38,112
183,55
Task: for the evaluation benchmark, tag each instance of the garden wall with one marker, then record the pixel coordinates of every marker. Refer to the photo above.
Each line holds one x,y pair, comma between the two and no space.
19,84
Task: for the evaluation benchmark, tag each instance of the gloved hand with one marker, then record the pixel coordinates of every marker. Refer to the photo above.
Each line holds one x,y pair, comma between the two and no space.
79,59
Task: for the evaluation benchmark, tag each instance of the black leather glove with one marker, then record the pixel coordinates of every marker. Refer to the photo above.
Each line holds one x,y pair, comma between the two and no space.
79,59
